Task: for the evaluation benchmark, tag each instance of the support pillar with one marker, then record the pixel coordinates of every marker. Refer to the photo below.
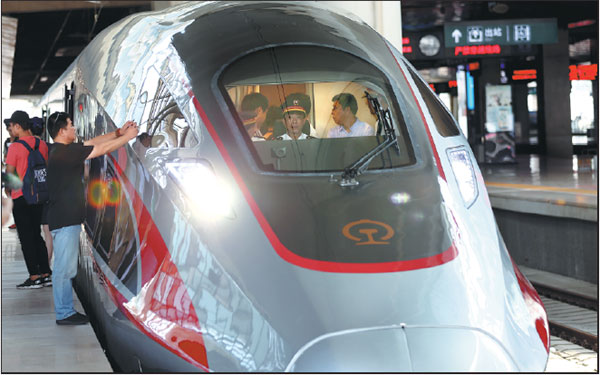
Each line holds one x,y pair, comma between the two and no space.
556,106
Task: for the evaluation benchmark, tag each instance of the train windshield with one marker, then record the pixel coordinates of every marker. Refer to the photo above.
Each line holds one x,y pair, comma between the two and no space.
314,109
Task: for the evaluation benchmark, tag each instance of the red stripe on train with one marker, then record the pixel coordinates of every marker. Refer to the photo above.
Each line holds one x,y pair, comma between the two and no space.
163,309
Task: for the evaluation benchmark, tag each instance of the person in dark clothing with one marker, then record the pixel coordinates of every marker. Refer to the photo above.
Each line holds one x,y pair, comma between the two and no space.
37,129
66,210
27,216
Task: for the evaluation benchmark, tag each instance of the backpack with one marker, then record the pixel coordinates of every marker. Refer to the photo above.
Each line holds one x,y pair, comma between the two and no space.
35,187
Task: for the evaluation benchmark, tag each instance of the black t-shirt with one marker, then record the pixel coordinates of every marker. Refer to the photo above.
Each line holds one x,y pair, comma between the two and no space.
65,184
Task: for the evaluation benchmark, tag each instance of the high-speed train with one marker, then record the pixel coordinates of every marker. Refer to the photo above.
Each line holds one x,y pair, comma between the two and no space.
205,249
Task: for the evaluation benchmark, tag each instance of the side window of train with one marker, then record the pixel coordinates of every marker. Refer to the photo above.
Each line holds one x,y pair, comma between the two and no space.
444,122
161,121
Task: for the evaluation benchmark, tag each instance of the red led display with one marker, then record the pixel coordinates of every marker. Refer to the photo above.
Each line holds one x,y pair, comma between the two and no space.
522,74
452,84
581,24
583,72
406,49
486,49
473,66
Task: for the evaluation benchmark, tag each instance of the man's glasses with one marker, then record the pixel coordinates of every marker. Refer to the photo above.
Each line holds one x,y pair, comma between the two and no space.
58,115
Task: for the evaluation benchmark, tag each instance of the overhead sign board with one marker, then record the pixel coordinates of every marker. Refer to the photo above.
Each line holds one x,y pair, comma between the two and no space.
502,32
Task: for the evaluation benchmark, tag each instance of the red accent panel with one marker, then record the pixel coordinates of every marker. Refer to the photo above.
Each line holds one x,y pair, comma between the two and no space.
435,153
535,306
312,264
163,309
174,332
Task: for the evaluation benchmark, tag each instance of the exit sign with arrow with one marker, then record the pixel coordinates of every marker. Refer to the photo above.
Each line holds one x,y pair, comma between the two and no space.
503,32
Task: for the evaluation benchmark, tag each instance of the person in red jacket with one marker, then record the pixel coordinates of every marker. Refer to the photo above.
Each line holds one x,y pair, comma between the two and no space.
27,216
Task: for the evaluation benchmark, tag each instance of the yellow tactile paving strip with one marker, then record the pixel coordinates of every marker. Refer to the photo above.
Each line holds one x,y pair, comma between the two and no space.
543,188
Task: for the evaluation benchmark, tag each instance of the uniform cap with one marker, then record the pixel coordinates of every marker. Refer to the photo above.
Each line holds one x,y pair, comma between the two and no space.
297,102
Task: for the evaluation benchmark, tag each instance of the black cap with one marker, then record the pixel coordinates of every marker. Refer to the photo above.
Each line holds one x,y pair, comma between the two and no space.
37,126
18,117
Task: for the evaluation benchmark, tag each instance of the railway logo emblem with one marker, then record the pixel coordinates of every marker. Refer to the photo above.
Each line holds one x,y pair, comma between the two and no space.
368,232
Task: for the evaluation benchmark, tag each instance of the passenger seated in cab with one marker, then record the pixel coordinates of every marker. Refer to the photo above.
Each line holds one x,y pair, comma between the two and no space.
256,103
344,115
295,112
274,119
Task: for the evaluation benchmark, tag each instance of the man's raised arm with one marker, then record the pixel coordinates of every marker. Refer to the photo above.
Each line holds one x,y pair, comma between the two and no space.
112,143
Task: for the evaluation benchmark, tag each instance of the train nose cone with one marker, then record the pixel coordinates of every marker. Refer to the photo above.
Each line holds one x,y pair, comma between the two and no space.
368,350
404,349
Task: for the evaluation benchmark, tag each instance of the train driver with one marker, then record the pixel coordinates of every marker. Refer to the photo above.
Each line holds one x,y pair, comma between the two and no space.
295,113
344,115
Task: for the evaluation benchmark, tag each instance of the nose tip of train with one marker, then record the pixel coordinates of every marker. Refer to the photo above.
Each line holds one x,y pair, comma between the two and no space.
404,349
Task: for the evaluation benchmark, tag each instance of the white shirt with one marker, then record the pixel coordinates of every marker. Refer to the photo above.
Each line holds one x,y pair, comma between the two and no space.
286,137
358,129
257,137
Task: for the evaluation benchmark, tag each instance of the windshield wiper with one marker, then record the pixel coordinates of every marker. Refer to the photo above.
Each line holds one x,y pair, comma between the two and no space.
385,123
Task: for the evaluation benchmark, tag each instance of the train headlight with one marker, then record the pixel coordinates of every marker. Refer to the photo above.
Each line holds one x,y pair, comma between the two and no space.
198,181
464,174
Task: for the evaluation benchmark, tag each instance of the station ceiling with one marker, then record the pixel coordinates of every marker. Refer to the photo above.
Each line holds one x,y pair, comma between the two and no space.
50,34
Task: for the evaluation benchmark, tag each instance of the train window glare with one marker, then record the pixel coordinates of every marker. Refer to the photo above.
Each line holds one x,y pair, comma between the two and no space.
305,109
442,119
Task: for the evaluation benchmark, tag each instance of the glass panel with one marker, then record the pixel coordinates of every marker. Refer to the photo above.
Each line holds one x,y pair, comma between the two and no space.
532,108
305,109
582,110
442,119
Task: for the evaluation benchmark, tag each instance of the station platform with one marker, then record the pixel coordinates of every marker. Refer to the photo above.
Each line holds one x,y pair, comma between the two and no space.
545,186
31,340
547,212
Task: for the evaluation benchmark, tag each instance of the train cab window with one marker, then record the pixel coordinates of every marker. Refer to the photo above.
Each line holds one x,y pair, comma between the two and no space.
314,109
442,119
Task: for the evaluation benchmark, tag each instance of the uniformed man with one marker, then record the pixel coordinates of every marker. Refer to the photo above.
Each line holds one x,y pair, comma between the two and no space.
295,113
250,121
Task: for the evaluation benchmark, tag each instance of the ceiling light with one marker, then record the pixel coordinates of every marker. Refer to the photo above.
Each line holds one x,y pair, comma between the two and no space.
429,45
499,8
